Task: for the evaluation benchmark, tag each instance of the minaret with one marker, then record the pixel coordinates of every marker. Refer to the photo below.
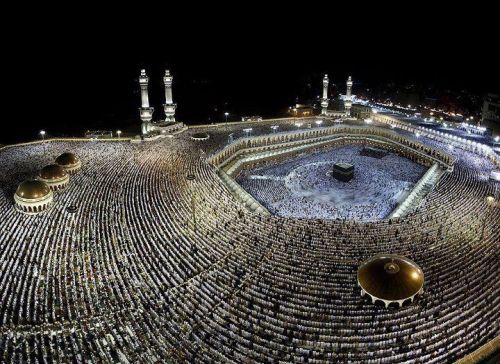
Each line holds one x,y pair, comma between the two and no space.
169,106
324,100
146,112
348,97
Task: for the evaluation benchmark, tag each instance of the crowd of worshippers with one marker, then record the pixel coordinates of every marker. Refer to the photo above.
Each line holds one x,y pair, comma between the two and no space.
131,276
303,187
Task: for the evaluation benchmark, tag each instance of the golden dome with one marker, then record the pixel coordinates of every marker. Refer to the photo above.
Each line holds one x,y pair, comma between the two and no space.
67,159
52,172
32,190
390,277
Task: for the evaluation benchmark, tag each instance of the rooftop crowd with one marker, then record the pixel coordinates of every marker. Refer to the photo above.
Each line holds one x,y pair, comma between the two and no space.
128,277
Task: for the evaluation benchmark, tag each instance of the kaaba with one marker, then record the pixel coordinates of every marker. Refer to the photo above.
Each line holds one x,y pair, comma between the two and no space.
343,171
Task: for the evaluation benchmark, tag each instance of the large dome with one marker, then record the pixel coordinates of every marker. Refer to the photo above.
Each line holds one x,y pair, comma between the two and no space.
390,278
67,159
52,172
32,190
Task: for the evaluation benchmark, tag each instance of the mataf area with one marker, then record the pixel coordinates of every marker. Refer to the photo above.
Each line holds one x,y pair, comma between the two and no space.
304,187
152,266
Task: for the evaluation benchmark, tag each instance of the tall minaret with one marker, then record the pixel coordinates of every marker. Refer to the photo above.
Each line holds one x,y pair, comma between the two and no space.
324,100
146,112
169,105
348,97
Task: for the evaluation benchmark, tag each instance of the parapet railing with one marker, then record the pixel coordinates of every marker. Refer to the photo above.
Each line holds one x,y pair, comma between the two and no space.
258,153
277,120
471,146
484,352
270,141
408,203
243,196
50,140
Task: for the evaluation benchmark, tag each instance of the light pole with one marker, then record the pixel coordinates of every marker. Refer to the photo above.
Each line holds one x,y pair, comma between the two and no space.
119,132
274,127
42,134
191,178
226,114
247,131
319,122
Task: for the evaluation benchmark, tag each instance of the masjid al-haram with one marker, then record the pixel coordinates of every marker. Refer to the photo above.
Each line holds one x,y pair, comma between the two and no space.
314,238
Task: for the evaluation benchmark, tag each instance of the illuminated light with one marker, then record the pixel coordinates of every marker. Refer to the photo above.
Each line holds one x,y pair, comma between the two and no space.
42,133
375,111
319,122
298,125
497,138
368,121
417,134
119,132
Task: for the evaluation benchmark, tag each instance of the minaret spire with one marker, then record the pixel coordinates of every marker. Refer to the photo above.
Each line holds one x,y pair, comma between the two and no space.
146,112
324,100
348,97
169,106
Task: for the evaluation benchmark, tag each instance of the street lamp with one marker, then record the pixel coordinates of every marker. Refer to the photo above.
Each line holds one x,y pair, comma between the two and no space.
319,122
274,127
247,131
298,125
226,114
119,132
42,134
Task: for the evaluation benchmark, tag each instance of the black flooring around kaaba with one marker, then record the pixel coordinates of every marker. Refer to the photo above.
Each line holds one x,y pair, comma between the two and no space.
373,152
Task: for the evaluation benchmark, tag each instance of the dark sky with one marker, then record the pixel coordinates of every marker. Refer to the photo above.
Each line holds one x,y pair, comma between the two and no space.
70,73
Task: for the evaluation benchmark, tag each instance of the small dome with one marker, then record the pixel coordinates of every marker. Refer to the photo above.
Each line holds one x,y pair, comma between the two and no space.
32,190
52,172
67,159
390,277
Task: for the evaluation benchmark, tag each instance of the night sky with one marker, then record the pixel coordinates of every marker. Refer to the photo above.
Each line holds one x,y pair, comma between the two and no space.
70,74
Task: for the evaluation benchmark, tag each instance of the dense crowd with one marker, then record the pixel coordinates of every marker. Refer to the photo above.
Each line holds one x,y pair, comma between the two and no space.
303,187
128,277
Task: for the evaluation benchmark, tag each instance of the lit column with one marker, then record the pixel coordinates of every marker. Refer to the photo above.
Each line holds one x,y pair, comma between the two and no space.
324,100
348,97
169,106
146,112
